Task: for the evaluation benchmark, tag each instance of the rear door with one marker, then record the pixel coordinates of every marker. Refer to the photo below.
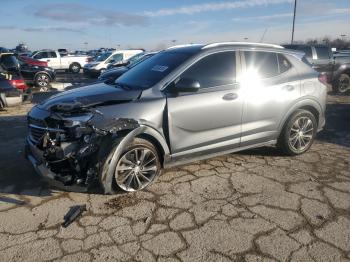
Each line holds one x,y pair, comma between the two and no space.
209,120
271,85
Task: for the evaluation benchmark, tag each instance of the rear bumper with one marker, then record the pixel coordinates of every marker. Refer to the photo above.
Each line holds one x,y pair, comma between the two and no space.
11,98
35,156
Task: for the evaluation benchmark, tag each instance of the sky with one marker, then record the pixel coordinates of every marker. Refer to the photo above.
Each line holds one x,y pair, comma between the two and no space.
156,24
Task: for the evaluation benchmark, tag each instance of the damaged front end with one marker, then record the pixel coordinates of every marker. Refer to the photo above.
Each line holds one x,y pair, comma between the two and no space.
66,143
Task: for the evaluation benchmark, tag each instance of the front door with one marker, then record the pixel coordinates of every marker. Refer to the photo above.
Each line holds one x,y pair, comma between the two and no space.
209,120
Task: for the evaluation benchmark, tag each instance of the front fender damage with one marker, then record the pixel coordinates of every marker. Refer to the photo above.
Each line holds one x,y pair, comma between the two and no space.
73,150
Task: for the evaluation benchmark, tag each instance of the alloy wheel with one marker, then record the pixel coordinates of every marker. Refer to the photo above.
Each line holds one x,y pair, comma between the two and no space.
136,169
43,82
344,84
301,134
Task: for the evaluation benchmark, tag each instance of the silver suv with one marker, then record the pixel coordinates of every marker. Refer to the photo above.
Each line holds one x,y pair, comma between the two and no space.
183,104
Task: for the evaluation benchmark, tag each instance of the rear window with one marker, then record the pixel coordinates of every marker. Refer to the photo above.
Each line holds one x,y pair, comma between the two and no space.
8,61
323,52
306,49
41,55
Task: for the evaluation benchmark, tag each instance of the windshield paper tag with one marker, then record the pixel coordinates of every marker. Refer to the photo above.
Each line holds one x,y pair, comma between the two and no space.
159,68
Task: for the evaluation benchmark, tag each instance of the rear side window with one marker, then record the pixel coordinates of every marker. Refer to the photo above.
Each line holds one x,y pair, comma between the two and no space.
265,63
283,63
214,70
323,52
53,54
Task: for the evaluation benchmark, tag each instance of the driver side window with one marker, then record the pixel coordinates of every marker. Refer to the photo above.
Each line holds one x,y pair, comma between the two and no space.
213,70
116,58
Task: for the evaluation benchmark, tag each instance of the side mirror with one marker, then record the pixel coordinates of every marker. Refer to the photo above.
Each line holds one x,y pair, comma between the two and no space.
186,85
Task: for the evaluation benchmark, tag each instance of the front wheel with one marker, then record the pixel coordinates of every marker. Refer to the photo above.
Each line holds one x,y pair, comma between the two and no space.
137,167
343,84
298,133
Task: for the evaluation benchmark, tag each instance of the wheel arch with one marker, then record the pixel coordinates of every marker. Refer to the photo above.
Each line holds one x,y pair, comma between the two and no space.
144,132
309,105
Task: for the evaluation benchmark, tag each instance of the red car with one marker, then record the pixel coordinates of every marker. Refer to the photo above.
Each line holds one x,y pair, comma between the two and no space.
34,62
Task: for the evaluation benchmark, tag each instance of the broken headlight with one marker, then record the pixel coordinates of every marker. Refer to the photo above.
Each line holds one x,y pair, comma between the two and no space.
80,120
78,125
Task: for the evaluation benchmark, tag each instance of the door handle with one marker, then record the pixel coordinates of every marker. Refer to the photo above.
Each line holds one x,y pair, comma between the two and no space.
48,60
230,96
288,88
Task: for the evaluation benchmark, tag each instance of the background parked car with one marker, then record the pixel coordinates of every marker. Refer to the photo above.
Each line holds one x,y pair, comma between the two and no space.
99,65
9,94
111,75
56,61
336,67
126,62
63,51
39,76
32,61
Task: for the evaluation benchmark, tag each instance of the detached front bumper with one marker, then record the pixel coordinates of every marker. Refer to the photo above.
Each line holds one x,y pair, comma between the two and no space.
35,156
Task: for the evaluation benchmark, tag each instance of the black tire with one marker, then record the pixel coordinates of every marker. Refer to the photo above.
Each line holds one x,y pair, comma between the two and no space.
136,144
290,136
342,85
42,81
2,105
74,68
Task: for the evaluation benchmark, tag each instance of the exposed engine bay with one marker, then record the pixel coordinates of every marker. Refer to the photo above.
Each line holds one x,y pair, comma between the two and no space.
70,137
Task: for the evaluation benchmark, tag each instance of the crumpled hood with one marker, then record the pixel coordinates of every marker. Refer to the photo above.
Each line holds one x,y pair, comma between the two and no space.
89,96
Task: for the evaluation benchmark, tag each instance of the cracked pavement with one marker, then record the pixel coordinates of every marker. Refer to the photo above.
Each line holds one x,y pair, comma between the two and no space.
249,206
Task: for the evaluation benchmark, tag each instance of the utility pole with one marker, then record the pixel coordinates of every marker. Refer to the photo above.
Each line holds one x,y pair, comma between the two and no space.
295,10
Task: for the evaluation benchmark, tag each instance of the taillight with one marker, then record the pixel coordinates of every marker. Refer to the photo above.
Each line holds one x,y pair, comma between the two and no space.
323,78
89,59
19,84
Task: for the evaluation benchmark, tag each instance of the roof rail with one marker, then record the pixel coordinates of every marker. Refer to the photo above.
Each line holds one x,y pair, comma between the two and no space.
178,46
242,43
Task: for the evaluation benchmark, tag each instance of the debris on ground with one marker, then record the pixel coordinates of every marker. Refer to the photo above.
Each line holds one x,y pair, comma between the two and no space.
121,202
73,213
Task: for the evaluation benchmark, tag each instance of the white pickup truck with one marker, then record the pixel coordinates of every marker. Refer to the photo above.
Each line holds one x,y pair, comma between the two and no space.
56,61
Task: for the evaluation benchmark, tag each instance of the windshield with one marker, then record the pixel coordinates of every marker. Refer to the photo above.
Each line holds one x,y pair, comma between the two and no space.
103,57
146,74
141,59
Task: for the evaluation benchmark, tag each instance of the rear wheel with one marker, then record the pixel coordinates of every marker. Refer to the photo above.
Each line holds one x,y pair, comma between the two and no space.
42,81
343,84
75,68
298,133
